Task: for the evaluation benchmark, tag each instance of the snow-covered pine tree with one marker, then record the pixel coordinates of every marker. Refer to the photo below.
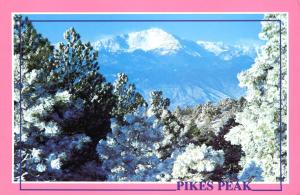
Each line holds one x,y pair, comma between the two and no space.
174,134
127,98
34,52
259,132
53,146
77,71
206,124
32,64
152,145
129,153
197,163
132,152
144,146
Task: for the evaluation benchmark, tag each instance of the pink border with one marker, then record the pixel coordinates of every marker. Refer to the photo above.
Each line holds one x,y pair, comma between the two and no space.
6,8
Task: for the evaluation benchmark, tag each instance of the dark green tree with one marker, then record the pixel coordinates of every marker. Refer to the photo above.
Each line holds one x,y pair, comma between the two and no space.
77,71
127,98
66,106
32,64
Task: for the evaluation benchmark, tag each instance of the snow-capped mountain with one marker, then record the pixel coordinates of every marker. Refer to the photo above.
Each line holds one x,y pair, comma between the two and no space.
153,39
187,72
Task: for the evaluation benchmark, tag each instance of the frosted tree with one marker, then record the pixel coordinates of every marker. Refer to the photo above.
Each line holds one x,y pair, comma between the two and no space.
50,153
206,124
32,62
144,146
197,163
158,103
127,99
152,145
174,134
129,152
66,106
259,132
77,71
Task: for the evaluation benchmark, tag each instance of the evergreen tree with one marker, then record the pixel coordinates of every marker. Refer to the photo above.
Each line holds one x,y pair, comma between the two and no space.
149,146
32,64
197,163
77,71
127,99
259,132
174,133
66,107
129,153
144,146
207,124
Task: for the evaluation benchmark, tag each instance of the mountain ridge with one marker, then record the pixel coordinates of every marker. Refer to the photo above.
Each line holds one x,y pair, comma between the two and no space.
188,72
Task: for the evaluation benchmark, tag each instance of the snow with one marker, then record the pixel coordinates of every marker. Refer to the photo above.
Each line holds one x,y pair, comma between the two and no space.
153,39
195,162
155,59
214,47
228,51
55,164
108,43
163,43
41,168
51,128
36,153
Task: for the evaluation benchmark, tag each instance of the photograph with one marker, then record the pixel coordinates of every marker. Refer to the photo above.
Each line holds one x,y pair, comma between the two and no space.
150,97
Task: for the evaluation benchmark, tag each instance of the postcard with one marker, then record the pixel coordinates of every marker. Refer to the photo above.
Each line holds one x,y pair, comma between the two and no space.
139,97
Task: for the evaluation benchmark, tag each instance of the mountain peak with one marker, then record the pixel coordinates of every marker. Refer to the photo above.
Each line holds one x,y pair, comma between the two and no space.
153,39
227,52
187,72
214,47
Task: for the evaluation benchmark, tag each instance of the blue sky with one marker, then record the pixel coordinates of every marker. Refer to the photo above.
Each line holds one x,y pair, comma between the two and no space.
227,32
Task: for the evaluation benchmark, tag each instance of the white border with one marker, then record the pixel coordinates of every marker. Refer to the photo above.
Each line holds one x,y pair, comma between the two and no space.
143,13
